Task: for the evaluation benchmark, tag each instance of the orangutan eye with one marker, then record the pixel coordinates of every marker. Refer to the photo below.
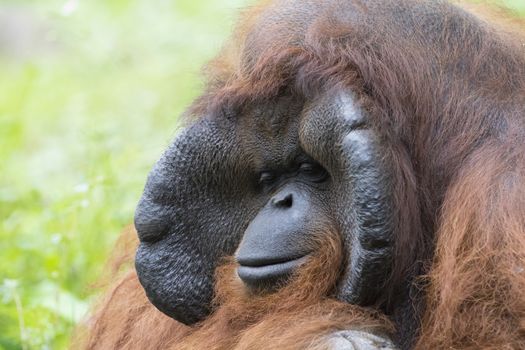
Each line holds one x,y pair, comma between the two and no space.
314,172
267,178
307,168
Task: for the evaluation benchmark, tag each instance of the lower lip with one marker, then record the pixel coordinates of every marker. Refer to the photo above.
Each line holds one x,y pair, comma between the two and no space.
261,276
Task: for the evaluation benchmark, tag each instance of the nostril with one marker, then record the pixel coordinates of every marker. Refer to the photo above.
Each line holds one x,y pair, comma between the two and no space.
283,201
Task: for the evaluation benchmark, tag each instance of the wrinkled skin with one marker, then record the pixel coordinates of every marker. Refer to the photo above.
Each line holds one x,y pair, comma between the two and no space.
386,137
264,182
397,124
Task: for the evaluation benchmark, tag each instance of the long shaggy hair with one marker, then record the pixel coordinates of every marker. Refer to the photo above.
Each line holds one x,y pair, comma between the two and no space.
447,92
243,319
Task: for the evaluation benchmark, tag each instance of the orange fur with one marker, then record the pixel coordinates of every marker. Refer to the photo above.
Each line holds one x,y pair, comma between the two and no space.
476,296
249,321
457,104
243,320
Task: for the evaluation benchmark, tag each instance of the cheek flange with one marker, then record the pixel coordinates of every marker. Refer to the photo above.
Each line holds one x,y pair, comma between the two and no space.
193,212
368,226
334,132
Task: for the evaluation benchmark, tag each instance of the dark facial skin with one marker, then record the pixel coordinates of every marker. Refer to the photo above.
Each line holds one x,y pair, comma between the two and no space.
259,184
277,240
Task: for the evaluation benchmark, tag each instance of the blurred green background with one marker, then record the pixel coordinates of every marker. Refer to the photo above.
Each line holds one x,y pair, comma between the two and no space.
90,92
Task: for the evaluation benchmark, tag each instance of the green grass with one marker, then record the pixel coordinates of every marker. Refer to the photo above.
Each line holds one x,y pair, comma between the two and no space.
83,116
518,6
81,122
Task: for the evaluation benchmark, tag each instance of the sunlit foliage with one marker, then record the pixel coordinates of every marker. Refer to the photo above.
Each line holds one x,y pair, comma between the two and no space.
90,92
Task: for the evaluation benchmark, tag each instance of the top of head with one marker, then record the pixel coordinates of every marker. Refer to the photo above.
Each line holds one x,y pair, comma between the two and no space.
344,87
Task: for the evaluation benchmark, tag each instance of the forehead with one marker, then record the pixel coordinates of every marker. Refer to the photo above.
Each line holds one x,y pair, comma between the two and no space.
269,131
